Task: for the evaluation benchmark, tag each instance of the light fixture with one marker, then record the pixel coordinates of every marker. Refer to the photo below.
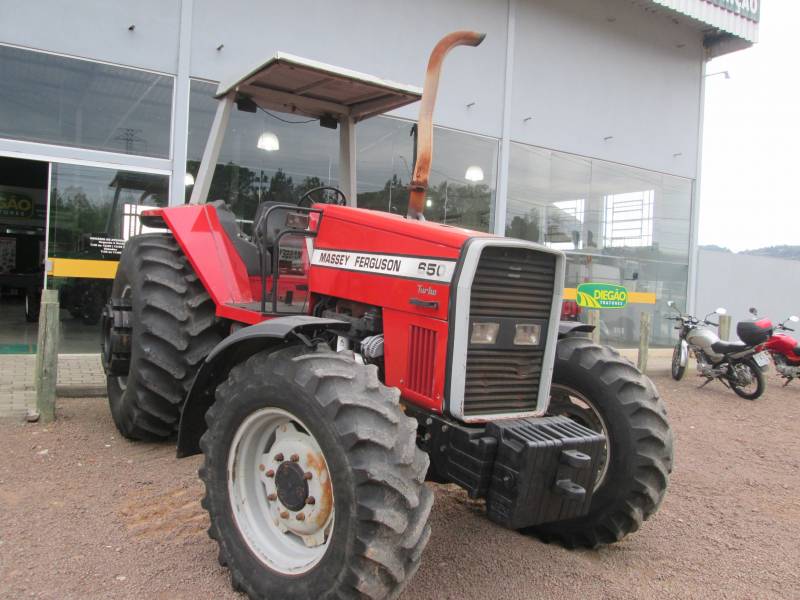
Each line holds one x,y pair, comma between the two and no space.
188,179
268,141
474,173
429,203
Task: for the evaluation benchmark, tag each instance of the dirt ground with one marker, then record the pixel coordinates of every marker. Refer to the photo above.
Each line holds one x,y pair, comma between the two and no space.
85,514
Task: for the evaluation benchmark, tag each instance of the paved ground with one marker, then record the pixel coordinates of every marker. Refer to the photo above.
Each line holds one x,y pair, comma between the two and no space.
82,375
87,515
78,374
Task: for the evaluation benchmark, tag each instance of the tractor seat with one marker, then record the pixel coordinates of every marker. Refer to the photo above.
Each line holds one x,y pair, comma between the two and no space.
277,220
246,249
728,347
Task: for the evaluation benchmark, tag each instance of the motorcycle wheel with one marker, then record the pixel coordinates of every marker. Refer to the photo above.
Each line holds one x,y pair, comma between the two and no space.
752,390
678,370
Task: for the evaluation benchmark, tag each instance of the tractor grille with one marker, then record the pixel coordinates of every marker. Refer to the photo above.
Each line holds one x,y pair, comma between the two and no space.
515,283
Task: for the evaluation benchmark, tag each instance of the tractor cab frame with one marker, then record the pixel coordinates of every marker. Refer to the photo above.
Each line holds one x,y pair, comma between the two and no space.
336,96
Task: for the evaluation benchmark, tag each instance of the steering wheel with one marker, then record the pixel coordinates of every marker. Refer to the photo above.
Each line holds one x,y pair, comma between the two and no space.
331,195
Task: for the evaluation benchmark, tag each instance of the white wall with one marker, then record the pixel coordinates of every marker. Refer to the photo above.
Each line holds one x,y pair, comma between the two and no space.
739,281
97,29
585,70
387,39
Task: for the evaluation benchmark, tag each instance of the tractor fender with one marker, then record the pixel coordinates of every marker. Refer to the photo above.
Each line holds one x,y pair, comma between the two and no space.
572,329
237,347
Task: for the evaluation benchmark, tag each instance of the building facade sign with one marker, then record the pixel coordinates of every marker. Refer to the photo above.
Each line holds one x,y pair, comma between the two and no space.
749,9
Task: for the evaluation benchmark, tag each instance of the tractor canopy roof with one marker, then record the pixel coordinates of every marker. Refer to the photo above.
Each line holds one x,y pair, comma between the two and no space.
306,87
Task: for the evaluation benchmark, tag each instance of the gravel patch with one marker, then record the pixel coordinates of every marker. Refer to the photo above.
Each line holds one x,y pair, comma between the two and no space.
86,514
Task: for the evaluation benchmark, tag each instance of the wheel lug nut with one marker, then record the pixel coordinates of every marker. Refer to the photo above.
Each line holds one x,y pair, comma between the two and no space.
284,514
279,457
311,500
270,473
294,457
261,467
307,475
272,497
301,517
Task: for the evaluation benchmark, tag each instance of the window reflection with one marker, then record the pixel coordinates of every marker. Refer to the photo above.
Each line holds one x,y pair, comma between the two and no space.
462,180
73,102
587,205
92,212
617,224
265,155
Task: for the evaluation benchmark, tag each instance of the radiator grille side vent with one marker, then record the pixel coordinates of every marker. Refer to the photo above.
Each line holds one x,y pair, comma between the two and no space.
421,358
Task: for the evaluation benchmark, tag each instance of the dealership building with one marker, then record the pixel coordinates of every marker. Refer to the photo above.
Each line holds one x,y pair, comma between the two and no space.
576,124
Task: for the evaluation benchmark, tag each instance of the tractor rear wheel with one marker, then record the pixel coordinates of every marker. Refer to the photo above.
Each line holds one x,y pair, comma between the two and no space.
157,328
598,388
314,483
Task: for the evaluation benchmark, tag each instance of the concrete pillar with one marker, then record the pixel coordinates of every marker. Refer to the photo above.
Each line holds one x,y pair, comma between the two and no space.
47,357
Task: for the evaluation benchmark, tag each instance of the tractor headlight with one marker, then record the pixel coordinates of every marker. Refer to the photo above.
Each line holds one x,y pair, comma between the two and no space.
527,334
484,333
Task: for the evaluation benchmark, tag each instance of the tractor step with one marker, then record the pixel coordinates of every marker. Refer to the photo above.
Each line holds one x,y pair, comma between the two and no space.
530,471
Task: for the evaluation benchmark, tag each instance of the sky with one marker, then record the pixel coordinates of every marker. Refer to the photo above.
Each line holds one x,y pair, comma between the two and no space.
750,182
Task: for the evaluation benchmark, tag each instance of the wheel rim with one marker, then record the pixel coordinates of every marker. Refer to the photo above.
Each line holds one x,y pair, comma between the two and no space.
745,379
280,491
568,402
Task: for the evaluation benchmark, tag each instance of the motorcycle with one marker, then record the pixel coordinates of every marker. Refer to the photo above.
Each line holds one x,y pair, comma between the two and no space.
738,365
784,349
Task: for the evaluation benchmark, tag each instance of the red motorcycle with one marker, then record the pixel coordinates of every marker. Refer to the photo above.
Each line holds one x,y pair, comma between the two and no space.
784,349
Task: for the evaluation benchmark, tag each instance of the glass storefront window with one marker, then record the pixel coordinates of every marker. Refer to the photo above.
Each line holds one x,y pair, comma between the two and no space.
462,180
265,155
662,280
617,224
588,205
93,211
72,102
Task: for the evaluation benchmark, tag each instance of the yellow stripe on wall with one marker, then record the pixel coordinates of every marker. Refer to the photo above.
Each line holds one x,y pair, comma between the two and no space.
78,267
107,269
633,297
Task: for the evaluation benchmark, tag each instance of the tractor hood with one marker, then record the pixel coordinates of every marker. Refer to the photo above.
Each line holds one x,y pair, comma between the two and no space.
427,233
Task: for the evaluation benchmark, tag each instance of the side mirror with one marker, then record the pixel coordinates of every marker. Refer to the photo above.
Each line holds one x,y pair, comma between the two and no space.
753,311
721,311
794,318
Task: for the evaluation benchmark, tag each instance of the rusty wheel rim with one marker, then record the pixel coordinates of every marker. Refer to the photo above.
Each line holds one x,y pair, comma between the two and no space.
280,491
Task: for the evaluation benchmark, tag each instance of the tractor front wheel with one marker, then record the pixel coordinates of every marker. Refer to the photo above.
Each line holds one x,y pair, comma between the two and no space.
314,484
599,389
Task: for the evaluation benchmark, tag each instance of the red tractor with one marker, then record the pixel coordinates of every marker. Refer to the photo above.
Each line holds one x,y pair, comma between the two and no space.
335,360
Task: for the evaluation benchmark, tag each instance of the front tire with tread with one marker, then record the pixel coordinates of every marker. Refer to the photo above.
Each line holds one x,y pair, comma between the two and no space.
639,441
380,500
677,369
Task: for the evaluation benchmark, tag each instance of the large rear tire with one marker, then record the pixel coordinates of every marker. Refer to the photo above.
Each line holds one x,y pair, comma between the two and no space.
316,434
598,388
158,327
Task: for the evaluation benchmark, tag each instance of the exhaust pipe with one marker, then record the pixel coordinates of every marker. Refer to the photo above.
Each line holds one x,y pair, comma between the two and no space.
422,162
